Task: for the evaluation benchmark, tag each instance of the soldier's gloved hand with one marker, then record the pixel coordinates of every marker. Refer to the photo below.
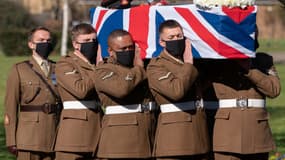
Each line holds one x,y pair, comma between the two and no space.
244,64
13,150
263,62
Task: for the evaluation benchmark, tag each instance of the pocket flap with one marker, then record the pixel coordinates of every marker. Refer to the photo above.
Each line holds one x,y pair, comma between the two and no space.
122,120
74,114
221,114
167,118
29,116
264,116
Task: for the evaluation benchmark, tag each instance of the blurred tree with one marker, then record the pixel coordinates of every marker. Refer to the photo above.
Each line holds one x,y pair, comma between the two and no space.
15,22
13,15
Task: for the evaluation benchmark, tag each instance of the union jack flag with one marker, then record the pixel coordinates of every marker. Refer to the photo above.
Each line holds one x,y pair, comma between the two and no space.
217,33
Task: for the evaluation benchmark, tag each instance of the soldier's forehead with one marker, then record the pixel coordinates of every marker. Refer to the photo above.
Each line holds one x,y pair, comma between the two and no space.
172,31
87,36
41,33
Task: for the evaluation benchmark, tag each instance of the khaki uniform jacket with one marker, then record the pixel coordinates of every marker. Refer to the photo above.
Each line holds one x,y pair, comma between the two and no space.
127,135
178,133
33,130
244,130
79,129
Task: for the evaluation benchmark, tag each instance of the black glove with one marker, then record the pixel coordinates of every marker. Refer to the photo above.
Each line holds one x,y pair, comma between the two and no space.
263,62
244,65
13,150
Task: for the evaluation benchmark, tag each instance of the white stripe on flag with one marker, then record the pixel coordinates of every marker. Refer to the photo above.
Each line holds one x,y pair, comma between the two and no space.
220,37
126,19
151,38
96,17
105,17
202,47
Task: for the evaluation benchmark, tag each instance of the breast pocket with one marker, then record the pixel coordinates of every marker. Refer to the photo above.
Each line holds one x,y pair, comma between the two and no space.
29,90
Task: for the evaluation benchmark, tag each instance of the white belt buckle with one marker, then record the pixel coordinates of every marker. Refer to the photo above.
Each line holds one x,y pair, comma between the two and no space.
199,103
242,102
146,107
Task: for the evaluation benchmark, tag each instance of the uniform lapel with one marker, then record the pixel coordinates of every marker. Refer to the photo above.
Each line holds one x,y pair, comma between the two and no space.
36,66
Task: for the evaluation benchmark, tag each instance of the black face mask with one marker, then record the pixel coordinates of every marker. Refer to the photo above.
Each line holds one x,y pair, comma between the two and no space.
44,49
126,58
176,47
89,50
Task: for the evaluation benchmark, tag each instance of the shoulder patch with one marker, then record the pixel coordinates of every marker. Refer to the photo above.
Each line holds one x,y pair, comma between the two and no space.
108,75
129,77
165,76
69,73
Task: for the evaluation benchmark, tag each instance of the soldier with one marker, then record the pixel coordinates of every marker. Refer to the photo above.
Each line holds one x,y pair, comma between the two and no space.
182,128
128,124
207,92
241,130
31,102
80,119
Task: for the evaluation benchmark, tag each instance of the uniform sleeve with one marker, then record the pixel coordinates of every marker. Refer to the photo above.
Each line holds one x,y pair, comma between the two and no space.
12,101
116,81
173,85
269,84
72,80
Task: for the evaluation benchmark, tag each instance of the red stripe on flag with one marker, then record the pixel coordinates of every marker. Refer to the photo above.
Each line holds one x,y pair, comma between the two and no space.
220,47
138,27
100,18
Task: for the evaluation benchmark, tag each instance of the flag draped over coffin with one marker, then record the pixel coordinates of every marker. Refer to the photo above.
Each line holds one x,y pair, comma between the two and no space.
217,33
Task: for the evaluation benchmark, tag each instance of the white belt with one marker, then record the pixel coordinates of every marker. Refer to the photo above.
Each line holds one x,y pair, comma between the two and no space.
79,105
178,107
132,108
232,103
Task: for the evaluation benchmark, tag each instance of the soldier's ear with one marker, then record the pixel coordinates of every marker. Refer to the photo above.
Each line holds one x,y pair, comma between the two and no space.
111,51
75,45
162,43
31,45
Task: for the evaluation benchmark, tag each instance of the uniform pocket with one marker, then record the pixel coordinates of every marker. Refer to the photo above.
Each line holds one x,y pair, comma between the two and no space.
175,117
30,89
263,139
122,120
29,117
223,129
221,114
262,117
74,114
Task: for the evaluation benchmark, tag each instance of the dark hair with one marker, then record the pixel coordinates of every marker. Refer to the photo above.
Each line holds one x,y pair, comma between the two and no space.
117,33
82,28
169,24
32,32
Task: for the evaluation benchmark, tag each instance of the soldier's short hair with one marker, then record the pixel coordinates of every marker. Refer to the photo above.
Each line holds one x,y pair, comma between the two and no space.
168,24
117,33
33,31
82,28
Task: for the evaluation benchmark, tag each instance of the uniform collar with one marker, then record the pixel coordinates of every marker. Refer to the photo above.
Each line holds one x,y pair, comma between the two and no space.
38,59
36,66
81,62
169,57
